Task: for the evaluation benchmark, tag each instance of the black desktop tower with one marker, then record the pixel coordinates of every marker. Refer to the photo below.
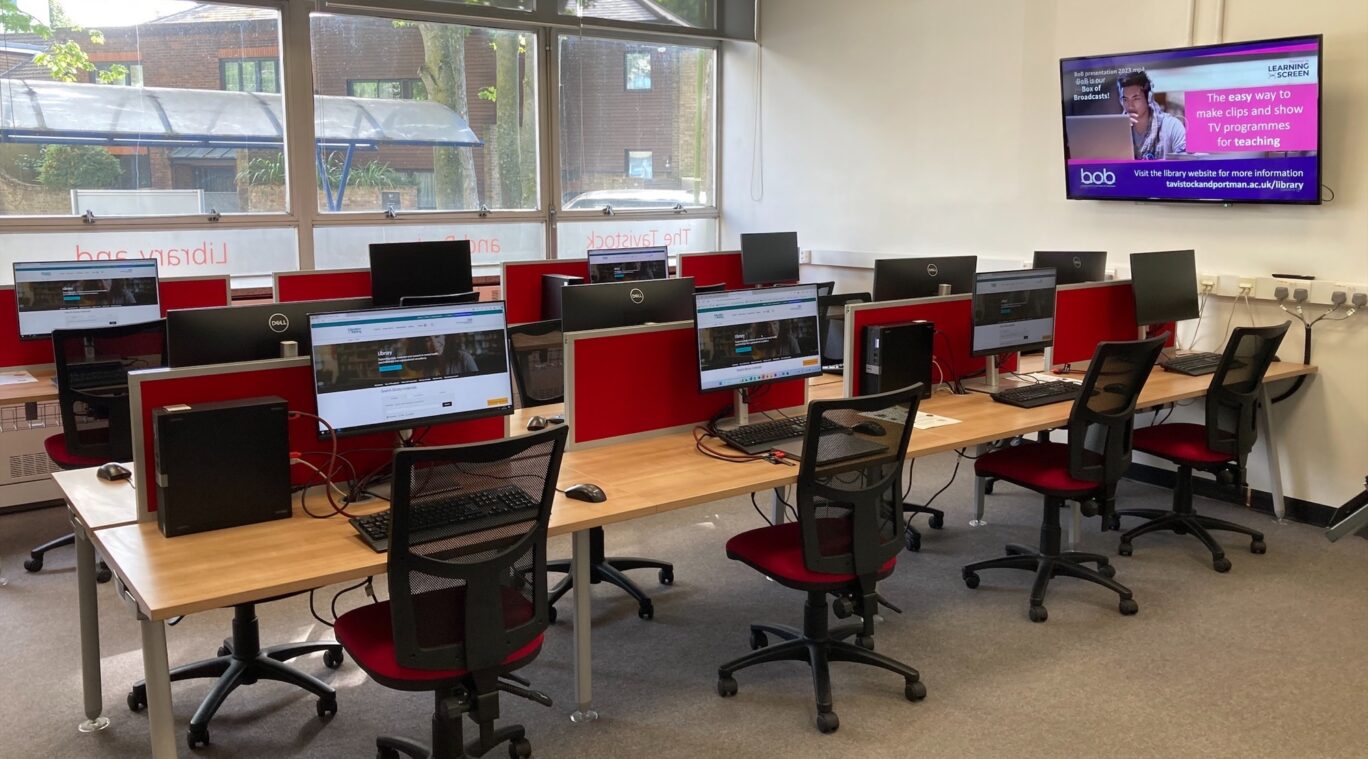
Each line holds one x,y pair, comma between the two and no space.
895,356
552,286
221,464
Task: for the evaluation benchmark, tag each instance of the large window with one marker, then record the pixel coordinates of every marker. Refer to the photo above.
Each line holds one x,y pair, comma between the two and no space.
253,75
126,74
465,114
697,14
667,133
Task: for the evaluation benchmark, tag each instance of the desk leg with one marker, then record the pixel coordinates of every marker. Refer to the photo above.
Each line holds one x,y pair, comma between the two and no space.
980,491
90,633
579,568
1275,485
157,674
777,511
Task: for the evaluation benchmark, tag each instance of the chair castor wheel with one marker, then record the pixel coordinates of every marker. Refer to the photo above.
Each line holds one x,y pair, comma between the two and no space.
1178,529
386,753
33,564
1124,549
1106,570
326,706
666,577
1258,546
332,659
1112,522
971,580
1221,564
197,736
103,574
988,488
224,651
519,749
646,611
1128,606
913,540
865,641
137,699
726,686
936,521
827,722
843,607
551,615
758,640
1038,614
914,690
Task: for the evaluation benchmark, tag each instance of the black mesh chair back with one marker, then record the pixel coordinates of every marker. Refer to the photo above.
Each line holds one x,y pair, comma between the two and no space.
92,383
1234,392
469,601
850,512
537,350
825,288
831,322
1103,417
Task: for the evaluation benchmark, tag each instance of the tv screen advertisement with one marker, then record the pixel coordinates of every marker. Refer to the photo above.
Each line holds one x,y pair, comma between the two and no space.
1230,123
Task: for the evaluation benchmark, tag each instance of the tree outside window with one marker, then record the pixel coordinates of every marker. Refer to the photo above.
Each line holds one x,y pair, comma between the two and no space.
638,66
640,164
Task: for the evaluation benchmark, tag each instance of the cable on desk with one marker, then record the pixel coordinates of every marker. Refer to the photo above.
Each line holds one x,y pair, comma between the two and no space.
700,434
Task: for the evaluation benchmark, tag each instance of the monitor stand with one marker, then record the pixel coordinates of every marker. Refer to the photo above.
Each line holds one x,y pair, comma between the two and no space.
992,380
741,409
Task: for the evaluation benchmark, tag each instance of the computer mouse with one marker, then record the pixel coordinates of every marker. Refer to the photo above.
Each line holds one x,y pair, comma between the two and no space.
113,473
586,491
536,423
869,428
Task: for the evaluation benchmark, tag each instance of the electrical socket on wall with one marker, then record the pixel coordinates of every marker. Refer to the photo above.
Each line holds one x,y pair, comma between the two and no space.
1264,287
804,256
1322,292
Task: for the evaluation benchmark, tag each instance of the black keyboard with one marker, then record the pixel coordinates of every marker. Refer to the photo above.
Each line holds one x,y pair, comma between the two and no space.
460,514
1039,394
760,437
1193,364
97,375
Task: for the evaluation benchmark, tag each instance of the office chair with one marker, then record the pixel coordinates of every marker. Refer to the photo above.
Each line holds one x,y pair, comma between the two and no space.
824,288
1086,469
1221,445
468,610
846,539
538,371
92,395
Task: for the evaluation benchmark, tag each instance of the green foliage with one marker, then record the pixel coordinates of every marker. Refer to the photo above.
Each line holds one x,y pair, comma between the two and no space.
489,93
65,60
270,170
262,171
72,167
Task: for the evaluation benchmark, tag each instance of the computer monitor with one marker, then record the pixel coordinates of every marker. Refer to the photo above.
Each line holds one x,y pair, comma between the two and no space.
1165,286
221,335
1013,311
419,268
400,368
901,278
1073,267
769,257
749,337
81,294
626,304
439,300
628,265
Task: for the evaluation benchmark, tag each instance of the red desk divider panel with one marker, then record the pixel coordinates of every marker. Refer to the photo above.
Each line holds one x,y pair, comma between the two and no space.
291,379
711,268
1086,315
291,286
194,292
642,379
521,282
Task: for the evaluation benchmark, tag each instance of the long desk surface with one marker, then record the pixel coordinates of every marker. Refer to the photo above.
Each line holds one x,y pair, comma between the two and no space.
29,392
212,570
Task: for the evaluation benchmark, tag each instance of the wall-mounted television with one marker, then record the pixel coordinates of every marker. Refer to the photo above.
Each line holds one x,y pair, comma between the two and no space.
1231,123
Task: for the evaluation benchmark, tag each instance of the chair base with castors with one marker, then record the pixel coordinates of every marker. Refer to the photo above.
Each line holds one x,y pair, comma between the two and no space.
913,536
448,741
34,563
610,570
1049,562
817,645
1184,520
242,661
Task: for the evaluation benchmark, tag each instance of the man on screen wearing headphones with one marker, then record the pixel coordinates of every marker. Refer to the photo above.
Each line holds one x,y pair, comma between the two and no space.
1154,133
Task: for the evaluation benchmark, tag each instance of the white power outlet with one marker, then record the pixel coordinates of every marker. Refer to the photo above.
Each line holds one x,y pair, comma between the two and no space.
1265,286
1322,291
804,256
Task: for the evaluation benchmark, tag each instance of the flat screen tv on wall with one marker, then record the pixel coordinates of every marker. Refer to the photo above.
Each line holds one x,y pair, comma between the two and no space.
1231,123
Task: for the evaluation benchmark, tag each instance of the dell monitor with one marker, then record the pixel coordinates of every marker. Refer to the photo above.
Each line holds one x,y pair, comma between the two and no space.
401,368
1013,311
84,294
628,265
440,300
902,278
626,304
749,337
221,335
419,268
769,257
1165,285
1073,267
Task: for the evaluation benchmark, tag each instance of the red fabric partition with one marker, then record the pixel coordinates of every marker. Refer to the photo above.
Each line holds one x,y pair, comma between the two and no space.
1087,316
711,268
322,285
193,293
522,285
953,332
638,382
295,385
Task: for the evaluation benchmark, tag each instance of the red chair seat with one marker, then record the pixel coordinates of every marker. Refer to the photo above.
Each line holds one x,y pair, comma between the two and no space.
777,552
366,633
57,451
1042,467
1180,442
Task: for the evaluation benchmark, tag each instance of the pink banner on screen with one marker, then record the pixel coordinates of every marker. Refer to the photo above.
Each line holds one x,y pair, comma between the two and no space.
1277,118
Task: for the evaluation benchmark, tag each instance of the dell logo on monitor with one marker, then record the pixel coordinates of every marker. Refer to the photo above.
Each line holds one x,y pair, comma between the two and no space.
1103,177
278,322
1077,262
932,270
637,295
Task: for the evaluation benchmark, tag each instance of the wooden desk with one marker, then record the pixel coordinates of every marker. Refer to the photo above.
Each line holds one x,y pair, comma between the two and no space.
166,578
30,392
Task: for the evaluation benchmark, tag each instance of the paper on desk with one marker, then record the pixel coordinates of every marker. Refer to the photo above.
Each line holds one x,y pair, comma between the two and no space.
924,420
1051,377
16,378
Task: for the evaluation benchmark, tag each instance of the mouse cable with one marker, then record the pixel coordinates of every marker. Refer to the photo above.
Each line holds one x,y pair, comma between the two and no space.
701,433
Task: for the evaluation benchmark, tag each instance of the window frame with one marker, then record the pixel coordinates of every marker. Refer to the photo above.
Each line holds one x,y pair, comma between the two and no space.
649,155
257,61
627,71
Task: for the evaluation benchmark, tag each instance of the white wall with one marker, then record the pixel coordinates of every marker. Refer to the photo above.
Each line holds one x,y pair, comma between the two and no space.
932,127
